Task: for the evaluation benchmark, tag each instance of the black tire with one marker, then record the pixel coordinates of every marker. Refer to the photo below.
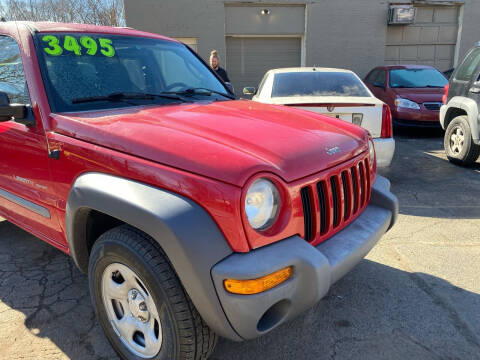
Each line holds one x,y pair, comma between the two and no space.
469,152
184,333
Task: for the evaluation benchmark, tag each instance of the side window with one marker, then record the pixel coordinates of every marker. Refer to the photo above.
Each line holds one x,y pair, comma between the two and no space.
176,71
469,65
12,77
371,78
380,80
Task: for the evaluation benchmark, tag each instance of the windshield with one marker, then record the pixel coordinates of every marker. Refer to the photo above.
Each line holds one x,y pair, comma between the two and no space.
134,70
317,83
417,78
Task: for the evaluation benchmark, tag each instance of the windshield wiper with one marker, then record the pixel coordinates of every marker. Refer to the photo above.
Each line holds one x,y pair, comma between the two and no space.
199,91
433,86
122,96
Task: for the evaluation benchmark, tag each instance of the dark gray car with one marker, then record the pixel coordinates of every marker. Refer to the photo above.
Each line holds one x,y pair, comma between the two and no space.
459,115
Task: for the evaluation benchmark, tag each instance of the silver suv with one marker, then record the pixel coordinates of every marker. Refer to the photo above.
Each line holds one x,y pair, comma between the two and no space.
460,114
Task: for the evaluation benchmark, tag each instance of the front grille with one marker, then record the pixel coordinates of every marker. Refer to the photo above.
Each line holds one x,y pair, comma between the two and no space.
432,105
341,198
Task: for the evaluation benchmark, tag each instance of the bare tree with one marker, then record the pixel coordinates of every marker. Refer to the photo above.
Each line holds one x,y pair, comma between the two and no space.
98,12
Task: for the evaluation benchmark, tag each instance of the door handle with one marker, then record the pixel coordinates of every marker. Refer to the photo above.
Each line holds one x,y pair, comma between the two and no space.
474,90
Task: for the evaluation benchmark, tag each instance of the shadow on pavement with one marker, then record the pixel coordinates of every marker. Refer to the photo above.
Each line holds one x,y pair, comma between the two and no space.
41,286
376,312
418,133
426,183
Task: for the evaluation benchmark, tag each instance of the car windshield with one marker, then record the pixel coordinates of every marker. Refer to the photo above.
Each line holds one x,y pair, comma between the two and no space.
417,78
318,83
101,71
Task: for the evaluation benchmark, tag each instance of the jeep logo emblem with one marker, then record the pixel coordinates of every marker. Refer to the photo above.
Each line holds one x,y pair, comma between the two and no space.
333,150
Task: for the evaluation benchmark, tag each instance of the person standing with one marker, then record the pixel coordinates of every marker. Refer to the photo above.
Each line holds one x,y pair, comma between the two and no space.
215,65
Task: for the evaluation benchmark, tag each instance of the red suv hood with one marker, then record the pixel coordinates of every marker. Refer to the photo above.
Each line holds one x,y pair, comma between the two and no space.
420,95
228,141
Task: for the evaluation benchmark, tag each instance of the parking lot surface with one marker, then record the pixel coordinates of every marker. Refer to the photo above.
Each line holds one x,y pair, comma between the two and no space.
416,295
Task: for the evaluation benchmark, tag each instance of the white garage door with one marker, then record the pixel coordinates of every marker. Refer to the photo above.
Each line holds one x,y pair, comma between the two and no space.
249,58
430,40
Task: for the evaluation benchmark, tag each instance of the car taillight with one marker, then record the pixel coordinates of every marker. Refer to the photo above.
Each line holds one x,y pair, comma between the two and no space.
445,93
386,122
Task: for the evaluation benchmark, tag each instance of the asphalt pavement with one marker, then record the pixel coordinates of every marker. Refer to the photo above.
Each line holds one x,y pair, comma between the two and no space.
415,296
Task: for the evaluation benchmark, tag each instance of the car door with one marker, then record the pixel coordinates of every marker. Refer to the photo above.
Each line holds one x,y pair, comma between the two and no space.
26,192
379,85
370,79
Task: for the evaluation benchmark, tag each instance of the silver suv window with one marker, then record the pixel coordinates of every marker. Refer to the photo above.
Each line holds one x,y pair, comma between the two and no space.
467,68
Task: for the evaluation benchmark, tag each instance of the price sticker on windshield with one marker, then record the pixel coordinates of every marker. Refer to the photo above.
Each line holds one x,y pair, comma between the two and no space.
85,45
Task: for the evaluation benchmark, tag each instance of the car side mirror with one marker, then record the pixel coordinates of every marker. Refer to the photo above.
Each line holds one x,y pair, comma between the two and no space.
17,112
249,90
13,112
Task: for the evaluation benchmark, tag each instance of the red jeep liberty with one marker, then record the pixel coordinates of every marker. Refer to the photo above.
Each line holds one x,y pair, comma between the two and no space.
194,214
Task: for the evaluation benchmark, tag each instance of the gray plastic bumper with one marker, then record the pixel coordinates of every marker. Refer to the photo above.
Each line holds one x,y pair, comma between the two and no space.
315,268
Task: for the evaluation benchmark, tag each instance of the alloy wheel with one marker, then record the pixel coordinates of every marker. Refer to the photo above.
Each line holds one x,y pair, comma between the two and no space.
457,139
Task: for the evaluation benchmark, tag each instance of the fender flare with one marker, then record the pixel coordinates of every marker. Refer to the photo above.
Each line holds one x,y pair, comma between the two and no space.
185,231
467,105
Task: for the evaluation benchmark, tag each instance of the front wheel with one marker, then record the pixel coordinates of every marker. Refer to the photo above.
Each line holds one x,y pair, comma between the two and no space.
458,142
140,301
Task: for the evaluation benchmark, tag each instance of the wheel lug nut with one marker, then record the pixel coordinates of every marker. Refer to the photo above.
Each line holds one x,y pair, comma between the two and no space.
134,294
142,306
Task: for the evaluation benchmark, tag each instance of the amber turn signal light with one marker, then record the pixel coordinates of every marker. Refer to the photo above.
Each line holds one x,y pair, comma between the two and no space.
255,286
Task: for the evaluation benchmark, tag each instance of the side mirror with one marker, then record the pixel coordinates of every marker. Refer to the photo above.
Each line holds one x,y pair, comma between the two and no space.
12,111
20,113
249,90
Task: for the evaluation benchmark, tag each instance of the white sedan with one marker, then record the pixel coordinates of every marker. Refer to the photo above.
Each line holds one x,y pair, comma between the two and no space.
334,92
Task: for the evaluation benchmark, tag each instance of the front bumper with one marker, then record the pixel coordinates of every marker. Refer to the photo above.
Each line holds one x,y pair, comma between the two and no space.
315,269
413,116
384,149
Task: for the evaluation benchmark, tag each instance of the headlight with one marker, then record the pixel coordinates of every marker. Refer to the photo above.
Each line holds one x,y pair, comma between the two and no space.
407,104
262,204
371,152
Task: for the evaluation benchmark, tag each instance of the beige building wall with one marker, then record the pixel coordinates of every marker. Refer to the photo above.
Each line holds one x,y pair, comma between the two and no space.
470,29
338,33
201,19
